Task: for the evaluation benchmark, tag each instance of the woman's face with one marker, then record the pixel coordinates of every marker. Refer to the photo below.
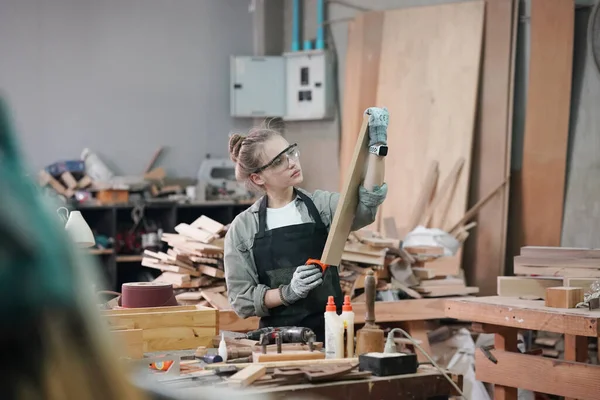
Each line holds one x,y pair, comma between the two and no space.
284,168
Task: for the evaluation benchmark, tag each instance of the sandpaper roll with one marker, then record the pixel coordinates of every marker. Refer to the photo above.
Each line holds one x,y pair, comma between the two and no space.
147,294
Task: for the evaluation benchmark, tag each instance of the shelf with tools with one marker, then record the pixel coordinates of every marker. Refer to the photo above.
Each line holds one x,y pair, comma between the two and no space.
124,231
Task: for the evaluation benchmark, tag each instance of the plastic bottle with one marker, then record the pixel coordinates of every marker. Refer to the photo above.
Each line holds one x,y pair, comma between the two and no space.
347,318
334,331
222,348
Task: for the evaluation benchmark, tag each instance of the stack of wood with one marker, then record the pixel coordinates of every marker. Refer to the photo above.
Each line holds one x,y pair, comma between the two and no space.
539,268
194,263
417,272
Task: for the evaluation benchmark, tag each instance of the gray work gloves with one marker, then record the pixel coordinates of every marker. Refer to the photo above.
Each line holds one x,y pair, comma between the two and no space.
378,123
305,279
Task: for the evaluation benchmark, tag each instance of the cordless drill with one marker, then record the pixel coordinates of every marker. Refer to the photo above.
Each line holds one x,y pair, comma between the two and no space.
289,334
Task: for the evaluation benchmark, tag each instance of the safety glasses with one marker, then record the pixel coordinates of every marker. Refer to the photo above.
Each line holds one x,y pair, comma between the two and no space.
282,160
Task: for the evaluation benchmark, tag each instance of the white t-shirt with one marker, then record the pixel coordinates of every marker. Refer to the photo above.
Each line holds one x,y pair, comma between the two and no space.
284,216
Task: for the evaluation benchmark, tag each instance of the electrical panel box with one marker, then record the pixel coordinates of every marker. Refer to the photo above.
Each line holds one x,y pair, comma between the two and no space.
310,86
257,86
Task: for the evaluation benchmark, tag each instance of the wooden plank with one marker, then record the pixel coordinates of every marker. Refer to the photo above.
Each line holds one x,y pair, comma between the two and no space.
585,283
346,207
288,356
517,286
524,314
144,310
543,375
557,271
131,340
360,81
486,249
177,338
592,263
217,300
424,88
247,376
559,252
547,121
197,318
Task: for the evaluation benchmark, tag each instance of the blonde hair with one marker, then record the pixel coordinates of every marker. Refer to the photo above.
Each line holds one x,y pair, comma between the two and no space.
246,152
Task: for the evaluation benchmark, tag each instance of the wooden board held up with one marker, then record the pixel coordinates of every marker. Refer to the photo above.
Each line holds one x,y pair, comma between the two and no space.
346,208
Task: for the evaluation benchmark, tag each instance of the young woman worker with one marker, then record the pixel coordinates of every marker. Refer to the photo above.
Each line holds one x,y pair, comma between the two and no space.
268,244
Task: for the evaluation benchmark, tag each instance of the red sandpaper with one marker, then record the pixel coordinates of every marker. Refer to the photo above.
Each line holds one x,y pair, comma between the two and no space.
147,294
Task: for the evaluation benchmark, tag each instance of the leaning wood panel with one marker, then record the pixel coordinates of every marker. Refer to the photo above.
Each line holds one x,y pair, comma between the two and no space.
486,249
428,79
360,81
346,207
539,374
547,121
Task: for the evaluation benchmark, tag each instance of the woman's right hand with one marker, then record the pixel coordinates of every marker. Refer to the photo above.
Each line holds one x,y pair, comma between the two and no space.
305,279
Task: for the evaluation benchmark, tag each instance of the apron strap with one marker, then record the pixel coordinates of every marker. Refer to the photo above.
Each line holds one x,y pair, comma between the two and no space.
312,210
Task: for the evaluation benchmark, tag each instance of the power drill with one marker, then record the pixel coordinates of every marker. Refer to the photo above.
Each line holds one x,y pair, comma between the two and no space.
289,334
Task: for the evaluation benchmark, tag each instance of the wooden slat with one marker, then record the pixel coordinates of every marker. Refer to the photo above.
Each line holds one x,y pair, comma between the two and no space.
524,314
557,271
547,121
360,81
346,207
517,286
485,251
539,374
195,318
428,79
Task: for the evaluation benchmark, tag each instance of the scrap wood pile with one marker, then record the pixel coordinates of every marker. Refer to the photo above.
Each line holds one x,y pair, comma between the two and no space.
194,263
539,268
401,272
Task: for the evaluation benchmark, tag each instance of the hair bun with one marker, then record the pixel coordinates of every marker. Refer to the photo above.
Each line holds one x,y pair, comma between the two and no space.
235,144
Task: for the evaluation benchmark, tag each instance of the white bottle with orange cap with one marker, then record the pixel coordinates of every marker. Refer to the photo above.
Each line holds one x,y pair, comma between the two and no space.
334,331
347,318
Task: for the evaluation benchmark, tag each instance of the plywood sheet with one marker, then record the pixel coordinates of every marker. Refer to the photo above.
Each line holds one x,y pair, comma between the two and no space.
428,79
581,221
547,121
486,249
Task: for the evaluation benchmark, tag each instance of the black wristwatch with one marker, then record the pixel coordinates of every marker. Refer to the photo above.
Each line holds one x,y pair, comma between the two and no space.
379,150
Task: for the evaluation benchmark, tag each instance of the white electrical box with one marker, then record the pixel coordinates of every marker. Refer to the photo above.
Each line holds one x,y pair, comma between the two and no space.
309,85
257,86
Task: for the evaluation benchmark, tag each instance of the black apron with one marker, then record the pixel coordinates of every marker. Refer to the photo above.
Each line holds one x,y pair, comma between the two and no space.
277,254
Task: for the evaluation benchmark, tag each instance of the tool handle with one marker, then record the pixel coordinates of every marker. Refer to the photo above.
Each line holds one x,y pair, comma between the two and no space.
370,298
313,261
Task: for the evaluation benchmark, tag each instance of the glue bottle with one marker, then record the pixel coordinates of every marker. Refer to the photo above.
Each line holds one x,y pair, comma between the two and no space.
334,331
347,318
223,348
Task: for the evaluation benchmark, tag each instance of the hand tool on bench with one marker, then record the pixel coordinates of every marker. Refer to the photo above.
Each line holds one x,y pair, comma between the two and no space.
370,338
289,334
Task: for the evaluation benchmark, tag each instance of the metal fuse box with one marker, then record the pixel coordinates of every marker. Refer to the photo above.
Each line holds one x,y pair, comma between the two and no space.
257,86
309,88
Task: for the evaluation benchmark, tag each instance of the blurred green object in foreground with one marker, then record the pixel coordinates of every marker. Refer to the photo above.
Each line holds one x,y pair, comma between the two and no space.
36,265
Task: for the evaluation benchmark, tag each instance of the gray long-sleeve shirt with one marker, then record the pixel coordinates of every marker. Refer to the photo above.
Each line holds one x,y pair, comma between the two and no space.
246,293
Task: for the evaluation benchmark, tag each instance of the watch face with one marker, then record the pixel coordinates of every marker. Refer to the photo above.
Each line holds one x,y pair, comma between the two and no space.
383,150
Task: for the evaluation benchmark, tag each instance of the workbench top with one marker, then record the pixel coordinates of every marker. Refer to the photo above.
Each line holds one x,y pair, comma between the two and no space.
525,314
426,383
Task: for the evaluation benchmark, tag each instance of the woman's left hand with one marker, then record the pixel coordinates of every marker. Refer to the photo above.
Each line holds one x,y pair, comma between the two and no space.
378,123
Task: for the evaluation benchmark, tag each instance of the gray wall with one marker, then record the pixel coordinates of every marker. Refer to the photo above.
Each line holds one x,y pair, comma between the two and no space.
122,77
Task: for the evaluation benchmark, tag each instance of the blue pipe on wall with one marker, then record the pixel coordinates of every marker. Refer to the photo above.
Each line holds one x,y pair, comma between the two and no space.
320,29
296,26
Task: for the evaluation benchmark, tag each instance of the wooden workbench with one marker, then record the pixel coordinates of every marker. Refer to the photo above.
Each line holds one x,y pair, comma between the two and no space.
508,369
425,384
